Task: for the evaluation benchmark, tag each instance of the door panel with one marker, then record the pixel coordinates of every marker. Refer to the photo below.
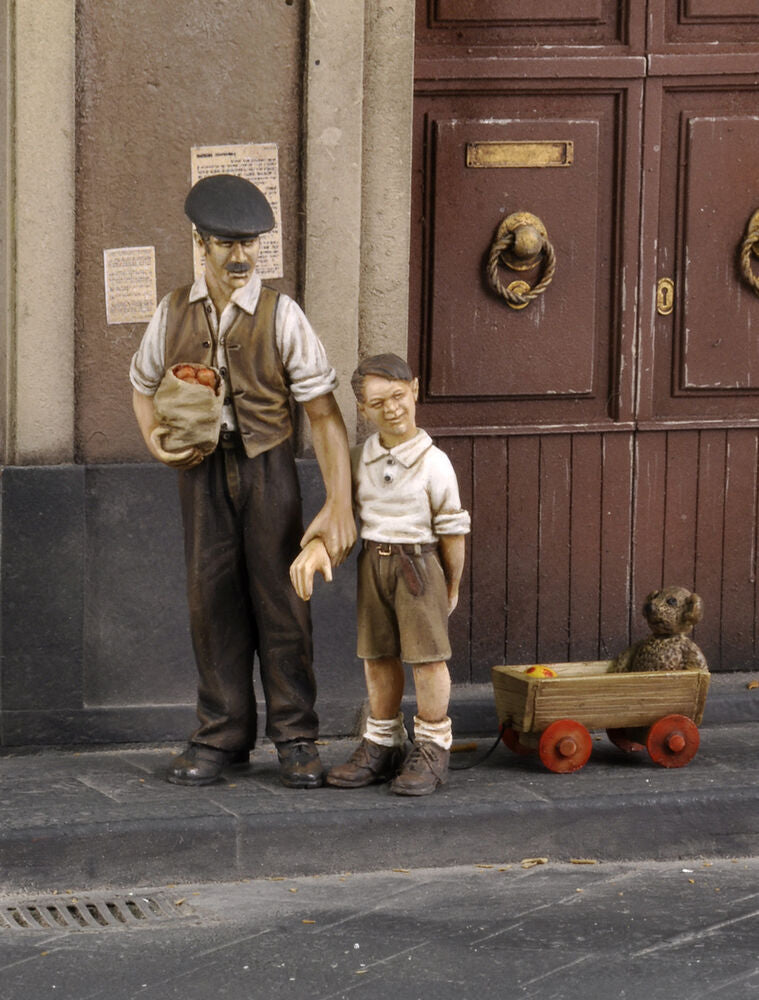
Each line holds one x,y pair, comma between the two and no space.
719,11
714,222
706,362
608,437
482,347
560,360
520,11
527,22
705,22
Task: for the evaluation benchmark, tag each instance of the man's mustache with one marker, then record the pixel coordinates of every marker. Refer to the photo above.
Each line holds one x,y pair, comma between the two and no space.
237,268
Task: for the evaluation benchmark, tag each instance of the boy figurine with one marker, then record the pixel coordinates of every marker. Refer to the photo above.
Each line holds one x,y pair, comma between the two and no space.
412,529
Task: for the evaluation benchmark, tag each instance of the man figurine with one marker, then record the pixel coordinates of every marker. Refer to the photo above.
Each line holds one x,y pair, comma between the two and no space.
241,504
412,529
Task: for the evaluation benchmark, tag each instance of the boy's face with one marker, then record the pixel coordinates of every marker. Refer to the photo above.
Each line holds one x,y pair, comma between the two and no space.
390,405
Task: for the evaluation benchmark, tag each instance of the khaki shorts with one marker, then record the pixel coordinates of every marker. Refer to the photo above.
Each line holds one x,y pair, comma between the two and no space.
394,622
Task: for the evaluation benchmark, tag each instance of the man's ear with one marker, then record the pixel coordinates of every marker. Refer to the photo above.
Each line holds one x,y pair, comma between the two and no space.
415,388
198,240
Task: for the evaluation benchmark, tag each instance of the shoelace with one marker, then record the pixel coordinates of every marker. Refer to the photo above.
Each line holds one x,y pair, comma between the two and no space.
362,756
300,752
421,758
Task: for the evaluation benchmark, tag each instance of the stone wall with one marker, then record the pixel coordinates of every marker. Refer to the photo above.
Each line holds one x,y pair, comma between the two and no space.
101,103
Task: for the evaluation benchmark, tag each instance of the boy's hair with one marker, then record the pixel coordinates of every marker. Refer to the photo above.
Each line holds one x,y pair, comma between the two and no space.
388,366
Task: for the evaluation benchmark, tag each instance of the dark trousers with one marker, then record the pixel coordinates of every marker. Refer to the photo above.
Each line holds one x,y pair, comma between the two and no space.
242,526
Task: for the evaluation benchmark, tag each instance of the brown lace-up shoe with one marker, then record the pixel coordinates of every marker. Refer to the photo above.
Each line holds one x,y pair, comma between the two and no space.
424,769
369,763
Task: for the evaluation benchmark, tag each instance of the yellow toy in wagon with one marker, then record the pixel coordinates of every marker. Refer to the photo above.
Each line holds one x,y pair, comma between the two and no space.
553,715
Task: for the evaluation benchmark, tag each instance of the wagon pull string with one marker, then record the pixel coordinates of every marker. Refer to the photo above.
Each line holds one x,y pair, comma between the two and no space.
484,757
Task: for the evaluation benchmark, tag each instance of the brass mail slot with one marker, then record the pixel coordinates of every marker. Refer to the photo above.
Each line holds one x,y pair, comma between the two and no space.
520,154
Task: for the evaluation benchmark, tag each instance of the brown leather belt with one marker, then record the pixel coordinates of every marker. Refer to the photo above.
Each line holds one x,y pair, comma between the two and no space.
411,575
396,548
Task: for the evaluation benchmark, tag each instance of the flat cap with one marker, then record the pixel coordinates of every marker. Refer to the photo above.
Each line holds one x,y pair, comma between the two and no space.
230,206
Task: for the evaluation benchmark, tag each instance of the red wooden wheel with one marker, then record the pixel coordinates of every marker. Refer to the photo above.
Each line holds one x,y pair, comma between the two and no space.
625,740
673,741
565,746
511,738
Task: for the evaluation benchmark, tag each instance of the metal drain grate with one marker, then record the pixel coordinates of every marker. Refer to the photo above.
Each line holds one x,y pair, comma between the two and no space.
71,913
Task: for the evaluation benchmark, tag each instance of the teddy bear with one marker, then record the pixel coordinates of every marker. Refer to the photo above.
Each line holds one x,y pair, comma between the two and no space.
671,613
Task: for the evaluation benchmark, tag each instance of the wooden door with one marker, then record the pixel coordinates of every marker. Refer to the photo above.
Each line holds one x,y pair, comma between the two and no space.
605,435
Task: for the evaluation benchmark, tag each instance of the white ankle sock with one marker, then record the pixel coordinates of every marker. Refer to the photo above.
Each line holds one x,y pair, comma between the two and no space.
440,733
386,732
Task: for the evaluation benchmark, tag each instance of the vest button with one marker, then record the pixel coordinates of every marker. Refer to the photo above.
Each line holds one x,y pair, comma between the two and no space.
227,400
223,372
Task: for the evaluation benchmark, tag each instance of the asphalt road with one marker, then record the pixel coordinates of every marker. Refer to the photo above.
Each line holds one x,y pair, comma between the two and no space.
639,931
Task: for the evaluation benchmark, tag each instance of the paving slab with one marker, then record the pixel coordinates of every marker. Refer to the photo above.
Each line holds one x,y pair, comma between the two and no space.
617,931
76,819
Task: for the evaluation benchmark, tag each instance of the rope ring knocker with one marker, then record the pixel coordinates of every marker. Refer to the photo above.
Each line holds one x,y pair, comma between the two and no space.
750,246
519,244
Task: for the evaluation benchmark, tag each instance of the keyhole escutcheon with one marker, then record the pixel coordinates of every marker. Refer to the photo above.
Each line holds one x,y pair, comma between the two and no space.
665,296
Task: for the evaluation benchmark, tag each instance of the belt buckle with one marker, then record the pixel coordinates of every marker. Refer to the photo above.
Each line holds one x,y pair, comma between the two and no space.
383,552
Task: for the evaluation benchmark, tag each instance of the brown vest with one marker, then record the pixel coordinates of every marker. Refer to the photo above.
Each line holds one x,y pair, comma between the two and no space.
256,375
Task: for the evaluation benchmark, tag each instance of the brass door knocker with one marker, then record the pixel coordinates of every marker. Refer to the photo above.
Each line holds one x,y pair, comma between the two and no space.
750,246
520,243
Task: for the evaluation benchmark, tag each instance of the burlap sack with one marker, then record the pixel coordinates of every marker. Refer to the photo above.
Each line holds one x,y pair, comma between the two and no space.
188,415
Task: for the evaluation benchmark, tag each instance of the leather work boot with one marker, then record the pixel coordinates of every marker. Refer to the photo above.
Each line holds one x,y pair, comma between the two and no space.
202,765
299,764
368,764
424,769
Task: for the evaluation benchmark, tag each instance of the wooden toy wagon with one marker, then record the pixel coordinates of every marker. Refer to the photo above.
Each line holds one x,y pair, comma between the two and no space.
553,716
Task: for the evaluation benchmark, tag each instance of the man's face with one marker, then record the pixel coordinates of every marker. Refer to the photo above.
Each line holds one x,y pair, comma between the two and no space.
229,263
390,405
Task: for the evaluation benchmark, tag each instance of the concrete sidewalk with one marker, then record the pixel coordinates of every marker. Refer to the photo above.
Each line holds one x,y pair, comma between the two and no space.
76,819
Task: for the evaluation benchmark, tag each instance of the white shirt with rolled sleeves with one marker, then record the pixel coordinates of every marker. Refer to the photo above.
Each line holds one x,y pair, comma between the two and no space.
309,373
407,494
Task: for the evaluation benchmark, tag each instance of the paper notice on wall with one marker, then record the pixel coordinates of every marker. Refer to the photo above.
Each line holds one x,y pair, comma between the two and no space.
256,162
130,285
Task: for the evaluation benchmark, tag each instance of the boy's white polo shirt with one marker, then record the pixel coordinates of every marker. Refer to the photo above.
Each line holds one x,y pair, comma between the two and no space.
406,494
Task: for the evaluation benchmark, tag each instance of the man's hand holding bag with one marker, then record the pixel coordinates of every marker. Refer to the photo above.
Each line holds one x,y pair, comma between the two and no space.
187,407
